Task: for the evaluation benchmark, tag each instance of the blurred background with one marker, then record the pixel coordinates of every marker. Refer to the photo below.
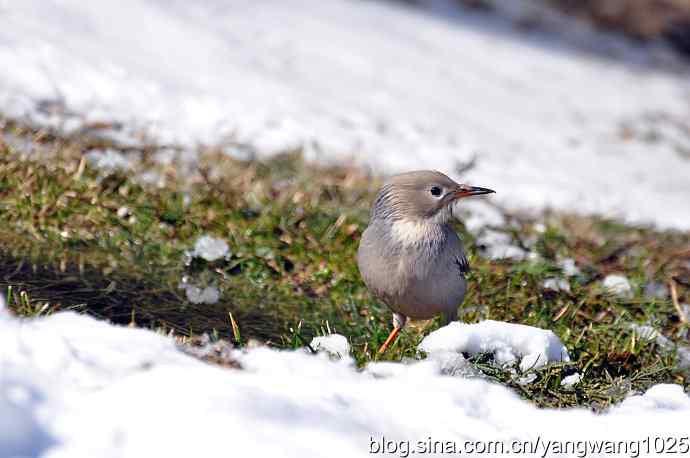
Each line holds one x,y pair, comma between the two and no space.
639,19
522,96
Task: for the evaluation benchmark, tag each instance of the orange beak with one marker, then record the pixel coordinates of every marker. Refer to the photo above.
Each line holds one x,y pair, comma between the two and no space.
467,191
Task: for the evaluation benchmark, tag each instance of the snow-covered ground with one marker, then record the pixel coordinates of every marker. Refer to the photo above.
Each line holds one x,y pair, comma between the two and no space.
71,386
580,122
586,124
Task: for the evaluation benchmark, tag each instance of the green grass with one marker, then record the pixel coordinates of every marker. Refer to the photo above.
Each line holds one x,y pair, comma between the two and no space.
67,242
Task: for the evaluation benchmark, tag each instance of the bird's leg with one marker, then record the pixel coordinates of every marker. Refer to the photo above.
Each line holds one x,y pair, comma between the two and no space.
398,323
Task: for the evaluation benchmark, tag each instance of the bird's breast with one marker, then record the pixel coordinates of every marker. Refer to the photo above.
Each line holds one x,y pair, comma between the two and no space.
412,267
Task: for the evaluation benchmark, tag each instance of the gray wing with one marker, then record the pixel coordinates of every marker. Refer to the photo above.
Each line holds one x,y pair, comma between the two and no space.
463,264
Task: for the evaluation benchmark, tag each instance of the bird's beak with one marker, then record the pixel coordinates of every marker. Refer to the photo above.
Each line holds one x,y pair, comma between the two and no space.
466,191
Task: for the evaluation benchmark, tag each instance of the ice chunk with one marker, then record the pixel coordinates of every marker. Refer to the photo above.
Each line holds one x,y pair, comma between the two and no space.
509,343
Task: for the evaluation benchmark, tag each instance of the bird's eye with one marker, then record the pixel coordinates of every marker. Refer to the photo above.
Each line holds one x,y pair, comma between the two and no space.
435,191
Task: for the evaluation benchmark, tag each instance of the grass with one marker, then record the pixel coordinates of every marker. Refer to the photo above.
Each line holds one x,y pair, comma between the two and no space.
75,238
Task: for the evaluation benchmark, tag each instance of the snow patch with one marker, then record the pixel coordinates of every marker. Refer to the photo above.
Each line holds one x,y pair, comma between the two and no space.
109,160
499,245
556,284
61,373
571,380
618,285
662,397
647,332
198,295
210,249
509,343
335,344
568,267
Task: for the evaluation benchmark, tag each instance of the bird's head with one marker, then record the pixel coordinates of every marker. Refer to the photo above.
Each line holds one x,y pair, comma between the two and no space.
421,196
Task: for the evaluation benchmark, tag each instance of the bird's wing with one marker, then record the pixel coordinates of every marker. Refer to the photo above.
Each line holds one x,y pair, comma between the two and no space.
463,264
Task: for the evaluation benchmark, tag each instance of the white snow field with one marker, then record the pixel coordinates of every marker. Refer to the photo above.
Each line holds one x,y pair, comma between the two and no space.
581,122
72,386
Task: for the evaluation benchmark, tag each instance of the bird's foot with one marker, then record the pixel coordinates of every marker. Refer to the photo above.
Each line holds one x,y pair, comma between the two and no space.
391,337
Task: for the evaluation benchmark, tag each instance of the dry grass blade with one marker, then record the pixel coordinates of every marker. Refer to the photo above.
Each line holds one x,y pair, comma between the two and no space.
235,329
674,298
561,312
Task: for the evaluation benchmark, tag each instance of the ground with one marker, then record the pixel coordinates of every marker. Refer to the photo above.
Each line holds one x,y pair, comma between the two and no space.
103,242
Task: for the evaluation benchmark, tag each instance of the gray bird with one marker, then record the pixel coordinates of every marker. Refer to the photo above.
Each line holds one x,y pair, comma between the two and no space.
409,256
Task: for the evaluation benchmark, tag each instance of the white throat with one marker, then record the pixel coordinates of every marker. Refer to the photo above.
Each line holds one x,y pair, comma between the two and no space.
413,232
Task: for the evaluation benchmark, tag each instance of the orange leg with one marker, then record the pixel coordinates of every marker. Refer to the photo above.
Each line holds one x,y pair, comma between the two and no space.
391,337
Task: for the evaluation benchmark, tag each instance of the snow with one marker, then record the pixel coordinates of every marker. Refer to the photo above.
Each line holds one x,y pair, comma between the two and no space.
210,248
553,120
499,245
569,267
75,386
335,344
109,160
572,379
618,285
556,284
198,295
662,397
682,352
510,343
124,212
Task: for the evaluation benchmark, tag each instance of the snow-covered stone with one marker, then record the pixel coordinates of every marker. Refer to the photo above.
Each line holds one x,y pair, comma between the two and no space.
508,342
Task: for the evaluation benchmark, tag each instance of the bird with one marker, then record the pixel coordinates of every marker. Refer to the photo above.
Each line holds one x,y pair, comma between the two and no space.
409,256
